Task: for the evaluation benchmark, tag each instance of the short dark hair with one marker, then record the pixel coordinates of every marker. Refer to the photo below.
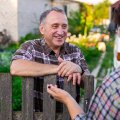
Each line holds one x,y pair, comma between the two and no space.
45,13
116,15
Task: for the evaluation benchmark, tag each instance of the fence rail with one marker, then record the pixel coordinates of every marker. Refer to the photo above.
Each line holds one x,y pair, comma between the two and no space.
49,112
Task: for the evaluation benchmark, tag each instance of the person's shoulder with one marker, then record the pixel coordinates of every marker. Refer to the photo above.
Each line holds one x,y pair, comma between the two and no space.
32,42
71,47
113,80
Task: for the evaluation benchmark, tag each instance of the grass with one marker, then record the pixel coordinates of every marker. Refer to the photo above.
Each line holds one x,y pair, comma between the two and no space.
107,61
91,56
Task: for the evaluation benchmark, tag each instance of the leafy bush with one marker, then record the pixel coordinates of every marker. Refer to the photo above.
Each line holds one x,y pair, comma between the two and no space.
16,93
13,46
5,58
76,24
108,60
81,21
29,36
91,55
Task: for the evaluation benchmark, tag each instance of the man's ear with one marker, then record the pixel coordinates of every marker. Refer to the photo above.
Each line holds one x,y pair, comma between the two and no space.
41,29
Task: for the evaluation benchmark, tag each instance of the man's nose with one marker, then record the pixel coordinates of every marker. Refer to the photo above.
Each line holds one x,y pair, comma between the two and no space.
60,31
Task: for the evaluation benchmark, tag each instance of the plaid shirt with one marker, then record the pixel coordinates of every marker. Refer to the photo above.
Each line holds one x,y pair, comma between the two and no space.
37,50
105,104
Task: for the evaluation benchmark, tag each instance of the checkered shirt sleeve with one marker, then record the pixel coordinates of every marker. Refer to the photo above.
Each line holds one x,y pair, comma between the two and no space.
105,104
24,52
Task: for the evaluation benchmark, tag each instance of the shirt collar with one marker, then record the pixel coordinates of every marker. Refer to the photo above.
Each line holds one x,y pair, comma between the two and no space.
48,50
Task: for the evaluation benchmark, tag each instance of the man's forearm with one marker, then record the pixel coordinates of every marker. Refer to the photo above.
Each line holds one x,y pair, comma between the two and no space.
29,68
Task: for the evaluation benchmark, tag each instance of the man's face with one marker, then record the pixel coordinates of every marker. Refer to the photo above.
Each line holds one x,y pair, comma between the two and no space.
55,29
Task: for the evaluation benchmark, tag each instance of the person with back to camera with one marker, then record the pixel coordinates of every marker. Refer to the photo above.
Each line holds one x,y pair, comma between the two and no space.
50,55
104,105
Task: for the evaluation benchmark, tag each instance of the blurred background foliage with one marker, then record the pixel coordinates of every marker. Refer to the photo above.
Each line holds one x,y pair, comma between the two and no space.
81,21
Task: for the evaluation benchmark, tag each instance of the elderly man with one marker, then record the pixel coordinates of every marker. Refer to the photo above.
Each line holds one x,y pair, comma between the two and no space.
49,55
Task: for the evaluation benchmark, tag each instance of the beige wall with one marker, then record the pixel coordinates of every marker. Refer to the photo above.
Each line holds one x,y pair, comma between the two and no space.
20,17
28,14
8,17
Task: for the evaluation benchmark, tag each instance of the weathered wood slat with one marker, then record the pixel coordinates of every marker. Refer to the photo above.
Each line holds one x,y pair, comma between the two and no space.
88,90
5,97
27,98
68,86
49,105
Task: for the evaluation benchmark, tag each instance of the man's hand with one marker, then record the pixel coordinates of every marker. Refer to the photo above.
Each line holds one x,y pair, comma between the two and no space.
75,77
69,69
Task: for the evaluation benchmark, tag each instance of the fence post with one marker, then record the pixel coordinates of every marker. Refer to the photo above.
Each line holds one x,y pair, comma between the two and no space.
5,97
49,104
70,88
27,98
88,90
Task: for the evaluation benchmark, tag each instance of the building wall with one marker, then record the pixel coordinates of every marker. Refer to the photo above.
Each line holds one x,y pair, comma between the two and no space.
28,14
20,17
8,17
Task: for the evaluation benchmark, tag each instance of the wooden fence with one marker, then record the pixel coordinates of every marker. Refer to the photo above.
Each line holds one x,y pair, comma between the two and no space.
49,105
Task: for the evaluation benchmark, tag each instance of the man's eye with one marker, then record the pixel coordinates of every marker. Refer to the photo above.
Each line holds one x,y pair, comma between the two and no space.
54,26
64,26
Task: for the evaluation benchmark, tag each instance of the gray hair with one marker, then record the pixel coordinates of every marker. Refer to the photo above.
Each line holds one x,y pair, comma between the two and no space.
45,13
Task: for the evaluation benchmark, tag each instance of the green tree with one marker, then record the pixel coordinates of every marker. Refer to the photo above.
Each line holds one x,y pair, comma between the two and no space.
81,21
101,11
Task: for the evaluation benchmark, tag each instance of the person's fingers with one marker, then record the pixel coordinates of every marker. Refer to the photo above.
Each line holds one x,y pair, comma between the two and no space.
53,88
50,91
69,78
69,72
60,59
64,73
61,71
66,69
74,78
72,69
61,66
78,78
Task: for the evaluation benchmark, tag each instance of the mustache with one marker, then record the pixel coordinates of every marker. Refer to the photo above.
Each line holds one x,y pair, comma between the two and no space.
60,35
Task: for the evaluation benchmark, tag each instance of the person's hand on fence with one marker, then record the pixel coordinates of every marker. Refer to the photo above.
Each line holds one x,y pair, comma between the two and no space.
75,77
69,69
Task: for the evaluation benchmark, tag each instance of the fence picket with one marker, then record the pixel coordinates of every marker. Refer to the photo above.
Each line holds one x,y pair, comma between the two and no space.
88,90
27,98
72,90
5,97
49,104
